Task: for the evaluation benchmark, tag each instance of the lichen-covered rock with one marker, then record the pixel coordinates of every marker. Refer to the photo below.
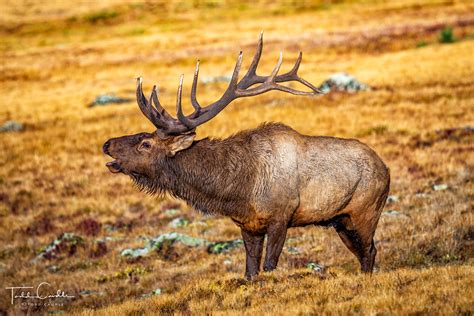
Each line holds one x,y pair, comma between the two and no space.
316,267
65,243
178,222
157,243
171,211
395,213
11,126
207,80
293,250
154,293
134,252
164,242
342,82
392,199
440,187
224,246
105,99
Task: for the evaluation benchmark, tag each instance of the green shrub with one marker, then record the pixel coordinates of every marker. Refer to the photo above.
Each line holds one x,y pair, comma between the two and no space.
446,36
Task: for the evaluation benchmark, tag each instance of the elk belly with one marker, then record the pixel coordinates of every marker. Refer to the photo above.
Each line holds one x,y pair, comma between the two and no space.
322,200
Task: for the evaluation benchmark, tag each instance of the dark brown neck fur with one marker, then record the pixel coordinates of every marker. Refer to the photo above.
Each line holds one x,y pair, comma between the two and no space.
213,176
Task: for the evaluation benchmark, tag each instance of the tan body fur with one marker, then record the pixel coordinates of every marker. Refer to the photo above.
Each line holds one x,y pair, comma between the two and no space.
310,179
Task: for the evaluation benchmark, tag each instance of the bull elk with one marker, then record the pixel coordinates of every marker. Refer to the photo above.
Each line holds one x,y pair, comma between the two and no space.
265,179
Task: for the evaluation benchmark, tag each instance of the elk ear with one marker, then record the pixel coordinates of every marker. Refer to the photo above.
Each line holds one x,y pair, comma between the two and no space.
178,143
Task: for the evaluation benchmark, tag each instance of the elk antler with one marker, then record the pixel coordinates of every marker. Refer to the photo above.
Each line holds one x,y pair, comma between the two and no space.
167,125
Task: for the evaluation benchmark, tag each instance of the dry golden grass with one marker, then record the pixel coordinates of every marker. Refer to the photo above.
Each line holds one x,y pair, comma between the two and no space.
56,58
404,291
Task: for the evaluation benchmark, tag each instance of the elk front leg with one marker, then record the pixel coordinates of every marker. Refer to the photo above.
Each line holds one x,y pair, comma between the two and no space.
276,235
253,248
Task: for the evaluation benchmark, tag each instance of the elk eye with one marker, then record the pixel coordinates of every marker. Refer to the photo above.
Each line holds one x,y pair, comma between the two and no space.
146,145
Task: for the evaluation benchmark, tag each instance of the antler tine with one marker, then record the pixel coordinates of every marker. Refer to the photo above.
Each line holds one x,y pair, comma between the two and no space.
293,75
235,74
194,101
271,81
156,102
295,68
179,110
256,58
309,85
147,109
167,125
268,84
272,76
251,77
213,109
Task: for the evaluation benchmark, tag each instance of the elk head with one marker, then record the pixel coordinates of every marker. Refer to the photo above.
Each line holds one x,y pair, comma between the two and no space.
141,155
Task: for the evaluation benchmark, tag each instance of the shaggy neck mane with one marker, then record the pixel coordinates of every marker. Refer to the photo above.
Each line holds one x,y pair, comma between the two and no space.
211,176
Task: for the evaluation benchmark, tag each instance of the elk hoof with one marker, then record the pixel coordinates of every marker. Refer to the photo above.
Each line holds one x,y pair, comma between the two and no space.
268,268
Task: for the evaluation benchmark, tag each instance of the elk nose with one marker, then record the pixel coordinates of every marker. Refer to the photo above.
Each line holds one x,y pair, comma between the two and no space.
105,147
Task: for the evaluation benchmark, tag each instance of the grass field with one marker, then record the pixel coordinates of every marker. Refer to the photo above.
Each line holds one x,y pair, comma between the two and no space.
419,116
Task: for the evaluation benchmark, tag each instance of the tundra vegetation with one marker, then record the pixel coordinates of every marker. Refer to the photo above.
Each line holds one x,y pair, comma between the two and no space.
67,221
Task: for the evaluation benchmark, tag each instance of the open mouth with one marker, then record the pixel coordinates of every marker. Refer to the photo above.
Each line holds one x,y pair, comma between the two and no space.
114,166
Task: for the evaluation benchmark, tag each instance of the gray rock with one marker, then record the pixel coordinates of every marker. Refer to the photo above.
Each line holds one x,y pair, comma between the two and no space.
157,242
53,268
66,242
224,246
422,195
155,292
316,267
11,126
178,222
392,199
293,250
171,211
342,82
394,213
105,99
134,252
109,238
207,80
440,187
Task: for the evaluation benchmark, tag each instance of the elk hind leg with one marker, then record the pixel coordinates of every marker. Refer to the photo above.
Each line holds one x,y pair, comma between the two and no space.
359,240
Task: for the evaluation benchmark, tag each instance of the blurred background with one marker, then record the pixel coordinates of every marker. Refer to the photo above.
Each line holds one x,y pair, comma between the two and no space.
398,75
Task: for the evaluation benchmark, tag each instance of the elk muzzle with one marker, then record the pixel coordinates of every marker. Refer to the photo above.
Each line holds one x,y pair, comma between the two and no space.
113,166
